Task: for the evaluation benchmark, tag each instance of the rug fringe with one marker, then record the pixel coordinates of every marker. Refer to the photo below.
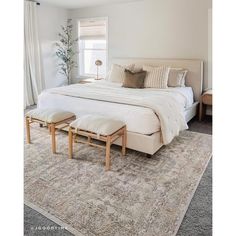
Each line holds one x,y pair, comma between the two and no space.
53,218
190,198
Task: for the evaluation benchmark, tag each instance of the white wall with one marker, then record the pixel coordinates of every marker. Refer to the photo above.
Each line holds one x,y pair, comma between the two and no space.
49,20
155,29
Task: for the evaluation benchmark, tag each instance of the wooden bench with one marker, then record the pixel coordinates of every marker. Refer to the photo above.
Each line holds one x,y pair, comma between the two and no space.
52,118
99,128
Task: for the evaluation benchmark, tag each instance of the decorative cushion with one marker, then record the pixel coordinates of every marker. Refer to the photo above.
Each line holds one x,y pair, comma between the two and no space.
49,115
176,77
97,124
117,73
134,79
157,77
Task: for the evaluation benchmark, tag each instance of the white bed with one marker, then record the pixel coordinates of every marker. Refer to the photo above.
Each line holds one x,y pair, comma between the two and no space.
133,116
143,124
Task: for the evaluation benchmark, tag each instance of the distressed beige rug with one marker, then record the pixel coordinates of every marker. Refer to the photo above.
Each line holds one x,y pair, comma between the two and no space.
139,196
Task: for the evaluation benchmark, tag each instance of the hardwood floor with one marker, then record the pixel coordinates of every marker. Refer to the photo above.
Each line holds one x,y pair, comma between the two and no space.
205,126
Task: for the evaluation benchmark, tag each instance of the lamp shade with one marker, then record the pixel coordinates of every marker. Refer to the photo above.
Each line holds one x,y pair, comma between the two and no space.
98,62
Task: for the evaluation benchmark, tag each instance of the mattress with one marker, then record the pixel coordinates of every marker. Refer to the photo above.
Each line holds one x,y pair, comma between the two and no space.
138,119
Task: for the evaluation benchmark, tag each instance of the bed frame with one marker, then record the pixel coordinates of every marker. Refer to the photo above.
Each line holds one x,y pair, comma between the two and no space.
152,143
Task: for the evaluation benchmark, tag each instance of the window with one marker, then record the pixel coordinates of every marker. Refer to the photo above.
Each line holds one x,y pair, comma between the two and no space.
92,46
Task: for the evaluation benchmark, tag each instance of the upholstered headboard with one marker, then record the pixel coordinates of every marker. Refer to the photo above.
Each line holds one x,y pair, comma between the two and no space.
194,76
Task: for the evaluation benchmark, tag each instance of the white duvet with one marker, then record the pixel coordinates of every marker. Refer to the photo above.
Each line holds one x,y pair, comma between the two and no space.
167,104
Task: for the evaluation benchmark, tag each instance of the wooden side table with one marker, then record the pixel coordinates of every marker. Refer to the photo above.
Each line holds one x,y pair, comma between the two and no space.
206,100
88,80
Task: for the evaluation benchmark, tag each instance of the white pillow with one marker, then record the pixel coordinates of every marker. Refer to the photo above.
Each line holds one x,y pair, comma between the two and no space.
176,77
117,73
108,75
157,77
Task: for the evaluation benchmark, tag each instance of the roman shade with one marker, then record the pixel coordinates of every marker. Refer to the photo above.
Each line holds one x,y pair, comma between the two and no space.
92,29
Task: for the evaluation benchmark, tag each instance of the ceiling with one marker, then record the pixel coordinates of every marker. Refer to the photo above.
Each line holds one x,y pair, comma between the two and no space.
70,4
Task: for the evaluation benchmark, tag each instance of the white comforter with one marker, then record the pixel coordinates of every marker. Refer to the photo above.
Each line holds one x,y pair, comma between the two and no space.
162,101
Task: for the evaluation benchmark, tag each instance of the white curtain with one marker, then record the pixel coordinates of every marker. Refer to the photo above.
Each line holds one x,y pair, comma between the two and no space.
33,83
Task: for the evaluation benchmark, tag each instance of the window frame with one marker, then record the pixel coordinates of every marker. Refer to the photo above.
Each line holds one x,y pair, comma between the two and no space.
106,38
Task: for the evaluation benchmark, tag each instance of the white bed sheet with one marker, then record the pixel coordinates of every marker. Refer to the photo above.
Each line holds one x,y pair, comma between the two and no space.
138,119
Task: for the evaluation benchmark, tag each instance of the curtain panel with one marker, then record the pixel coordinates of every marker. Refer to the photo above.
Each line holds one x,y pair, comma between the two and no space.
33,83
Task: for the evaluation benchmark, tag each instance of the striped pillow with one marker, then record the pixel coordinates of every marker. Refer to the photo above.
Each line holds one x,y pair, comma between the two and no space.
157,77
117,73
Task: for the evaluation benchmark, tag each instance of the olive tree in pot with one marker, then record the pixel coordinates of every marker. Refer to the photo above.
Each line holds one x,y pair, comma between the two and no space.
65,50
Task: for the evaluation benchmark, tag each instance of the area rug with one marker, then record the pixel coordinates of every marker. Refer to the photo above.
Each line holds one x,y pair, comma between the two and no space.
139,196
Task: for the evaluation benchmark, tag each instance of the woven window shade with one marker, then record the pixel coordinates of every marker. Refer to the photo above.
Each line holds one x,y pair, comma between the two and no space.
92,29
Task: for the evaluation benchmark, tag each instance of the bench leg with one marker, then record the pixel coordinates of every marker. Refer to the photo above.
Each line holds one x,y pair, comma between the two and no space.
108,149
70,135
49,129
202,111
124,140
27,130
89,139
53,134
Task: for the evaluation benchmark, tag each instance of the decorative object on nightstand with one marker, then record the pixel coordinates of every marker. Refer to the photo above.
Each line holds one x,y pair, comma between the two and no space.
206,100
98,63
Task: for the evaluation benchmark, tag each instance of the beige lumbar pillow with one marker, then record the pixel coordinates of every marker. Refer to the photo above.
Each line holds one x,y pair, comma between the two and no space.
117,73
134,79
176,77
157,77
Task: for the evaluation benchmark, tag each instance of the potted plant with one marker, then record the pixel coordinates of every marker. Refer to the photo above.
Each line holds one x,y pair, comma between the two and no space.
65,50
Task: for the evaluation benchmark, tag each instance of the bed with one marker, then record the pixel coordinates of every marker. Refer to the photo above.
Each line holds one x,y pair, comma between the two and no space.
144,125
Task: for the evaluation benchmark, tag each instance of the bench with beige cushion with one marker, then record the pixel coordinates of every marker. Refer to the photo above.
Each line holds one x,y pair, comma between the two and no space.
49,117
99,128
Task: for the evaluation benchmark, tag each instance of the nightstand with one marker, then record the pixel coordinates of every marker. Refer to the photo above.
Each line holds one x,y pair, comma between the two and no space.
206,100
88,80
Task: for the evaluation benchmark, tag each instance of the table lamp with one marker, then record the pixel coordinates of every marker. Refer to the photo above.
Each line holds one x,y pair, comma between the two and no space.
98,63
